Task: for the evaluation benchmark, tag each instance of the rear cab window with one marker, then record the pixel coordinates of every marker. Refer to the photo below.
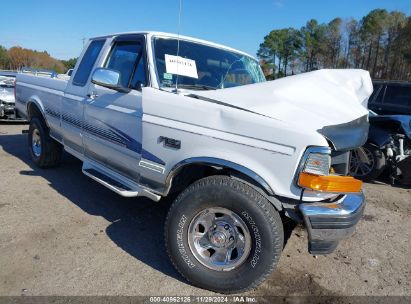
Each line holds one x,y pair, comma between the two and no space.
87,62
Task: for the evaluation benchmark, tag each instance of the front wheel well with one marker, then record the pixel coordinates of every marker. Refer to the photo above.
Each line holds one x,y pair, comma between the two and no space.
189,173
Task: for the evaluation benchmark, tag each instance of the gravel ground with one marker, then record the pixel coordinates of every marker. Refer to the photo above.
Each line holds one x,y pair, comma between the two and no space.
63,234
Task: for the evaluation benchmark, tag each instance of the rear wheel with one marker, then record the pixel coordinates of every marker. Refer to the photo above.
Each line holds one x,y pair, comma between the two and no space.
372,167
223,235
45,151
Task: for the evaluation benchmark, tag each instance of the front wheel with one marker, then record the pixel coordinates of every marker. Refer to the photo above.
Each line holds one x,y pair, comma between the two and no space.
223,235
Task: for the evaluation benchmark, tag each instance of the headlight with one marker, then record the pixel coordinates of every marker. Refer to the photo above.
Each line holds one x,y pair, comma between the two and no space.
317,164
314,174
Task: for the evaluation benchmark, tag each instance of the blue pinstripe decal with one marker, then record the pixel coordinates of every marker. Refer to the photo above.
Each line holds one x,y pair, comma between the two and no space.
111,134
52,112
137,147
71,120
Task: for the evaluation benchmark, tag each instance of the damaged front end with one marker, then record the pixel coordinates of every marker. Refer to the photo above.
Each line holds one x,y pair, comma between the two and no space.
392,134
398,153
330,221
347,136
388,148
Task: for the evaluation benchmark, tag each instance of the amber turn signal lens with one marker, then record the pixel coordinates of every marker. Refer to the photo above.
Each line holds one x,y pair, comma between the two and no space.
330,183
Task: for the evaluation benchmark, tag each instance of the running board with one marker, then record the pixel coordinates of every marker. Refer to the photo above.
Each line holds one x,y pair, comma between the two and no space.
114,183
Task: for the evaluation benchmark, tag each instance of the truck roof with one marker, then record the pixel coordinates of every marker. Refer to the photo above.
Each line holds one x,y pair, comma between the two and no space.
170,35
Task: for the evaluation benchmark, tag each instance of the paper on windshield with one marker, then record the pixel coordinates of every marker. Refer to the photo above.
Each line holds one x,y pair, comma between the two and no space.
181,66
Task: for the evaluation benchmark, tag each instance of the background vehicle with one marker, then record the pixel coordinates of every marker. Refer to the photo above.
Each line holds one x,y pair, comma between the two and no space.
67,75
391,97
146,122
388,148
7,102
8,110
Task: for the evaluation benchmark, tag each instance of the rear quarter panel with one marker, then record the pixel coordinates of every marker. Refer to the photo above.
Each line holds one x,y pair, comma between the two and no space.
46,93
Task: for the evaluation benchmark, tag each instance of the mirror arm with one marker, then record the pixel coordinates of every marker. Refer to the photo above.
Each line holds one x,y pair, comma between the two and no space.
122,89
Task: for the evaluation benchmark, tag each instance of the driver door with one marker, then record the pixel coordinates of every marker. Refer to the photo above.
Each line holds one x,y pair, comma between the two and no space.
112,119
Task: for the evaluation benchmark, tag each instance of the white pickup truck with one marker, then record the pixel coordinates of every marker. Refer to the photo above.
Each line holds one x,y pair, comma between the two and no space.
152,114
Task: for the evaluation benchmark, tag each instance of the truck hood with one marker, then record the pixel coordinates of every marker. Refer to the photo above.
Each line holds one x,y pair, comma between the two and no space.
332,102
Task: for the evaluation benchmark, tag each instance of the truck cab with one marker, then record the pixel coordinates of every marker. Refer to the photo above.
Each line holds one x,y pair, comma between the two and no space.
153,114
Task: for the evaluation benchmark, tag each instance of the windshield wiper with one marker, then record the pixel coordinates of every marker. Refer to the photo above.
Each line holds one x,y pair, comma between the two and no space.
191,86
196,86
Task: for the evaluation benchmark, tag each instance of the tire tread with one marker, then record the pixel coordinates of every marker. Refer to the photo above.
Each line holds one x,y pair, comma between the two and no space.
254,196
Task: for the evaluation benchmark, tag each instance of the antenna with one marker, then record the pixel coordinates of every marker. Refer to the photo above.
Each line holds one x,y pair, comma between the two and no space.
178,39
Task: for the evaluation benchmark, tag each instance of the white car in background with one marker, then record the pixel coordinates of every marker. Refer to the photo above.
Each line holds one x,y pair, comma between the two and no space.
7,100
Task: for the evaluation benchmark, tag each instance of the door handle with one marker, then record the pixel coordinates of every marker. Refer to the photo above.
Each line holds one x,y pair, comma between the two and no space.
92,95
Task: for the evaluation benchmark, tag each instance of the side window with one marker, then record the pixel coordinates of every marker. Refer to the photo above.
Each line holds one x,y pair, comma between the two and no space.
127,58
87,63
398,95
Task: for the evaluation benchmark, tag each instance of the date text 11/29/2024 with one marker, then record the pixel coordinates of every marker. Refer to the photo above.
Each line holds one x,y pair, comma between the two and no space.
203,299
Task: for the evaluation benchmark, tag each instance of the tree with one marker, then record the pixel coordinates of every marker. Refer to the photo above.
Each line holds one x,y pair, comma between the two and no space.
372,29
333,39
396,23
353,48
313,44
380,42
280,48
270,50
20,57
291,46
70,63
4,60
401,66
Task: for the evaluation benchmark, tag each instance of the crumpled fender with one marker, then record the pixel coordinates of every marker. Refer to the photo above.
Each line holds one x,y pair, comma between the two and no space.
379,136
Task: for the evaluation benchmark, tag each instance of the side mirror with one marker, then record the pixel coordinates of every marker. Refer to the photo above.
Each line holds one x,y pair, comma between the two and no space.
109,79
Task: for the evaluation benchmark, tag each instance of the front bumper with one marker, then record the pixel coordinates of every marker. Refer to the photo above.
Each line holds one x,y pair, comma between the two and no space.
328,223
8,112
6,108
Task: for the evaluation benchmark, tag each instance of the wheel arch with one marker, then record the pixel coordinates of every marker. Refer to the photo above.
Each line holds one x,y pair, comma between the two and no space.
225,167
35,108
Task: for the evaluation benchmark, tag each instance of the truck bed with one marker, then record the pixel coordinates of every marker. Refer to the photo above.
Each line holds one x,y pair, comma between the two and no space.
42,87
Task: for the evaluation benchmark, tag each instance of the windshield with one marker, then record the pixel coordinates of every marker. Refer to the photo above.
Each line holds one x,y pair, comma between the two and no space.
216,68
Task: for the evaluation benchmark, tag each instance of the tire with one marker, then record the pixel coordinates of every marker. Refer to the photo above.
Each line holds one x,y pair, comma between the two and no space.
256,221
368,172
44,151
